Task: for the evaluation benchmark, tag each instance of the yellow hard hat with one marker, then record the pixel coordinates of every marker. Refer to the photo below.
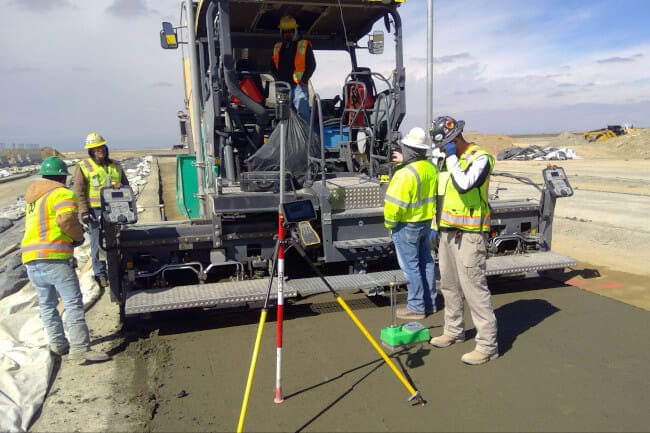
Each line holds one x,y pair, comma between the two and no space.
94,140
288,22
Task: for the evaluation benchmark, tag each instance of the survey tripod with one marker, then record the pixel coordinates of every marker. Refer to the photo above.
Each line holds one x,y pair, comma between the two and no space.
297,215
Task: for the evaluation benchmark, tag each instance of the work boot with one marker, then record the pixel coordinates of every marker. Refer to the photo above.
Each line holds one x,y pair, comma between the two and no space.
477,358
445,340
406,314
89,356
59,350
103,282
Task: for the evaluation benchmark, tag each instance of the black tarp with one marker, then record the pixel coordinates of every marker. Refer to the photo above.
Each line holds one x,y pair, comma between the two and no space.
267,158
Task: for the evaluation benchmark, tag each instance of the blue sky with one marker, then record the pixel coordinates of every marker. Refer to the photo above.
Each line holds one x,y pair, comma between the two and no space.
68,67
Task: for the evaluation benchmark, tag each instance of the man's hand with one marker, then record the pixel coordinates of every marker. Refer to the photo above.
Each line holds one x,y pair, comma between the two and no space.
76,244
88,217
450,148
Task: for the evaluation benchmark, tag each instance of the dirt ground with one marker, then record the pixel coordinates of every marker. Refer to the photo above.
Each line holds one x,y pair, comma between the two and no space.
187,372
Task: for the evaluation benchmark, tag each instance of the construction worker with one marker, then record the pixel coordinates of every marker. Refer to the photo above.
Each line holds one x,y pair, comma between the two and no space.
463,223
293,62
52,230
90,176
409,208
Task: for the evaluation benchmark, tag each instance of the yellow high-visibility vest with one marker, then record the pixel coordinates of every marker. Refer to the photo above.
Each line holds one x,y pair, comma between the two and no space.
43,238
411,194
97,176
468,211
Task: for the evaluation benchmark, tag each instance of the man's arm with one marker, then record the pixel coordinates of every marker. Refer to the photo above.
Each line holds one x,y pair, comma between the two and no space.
123,179
474,176
310,66
79,187
67,218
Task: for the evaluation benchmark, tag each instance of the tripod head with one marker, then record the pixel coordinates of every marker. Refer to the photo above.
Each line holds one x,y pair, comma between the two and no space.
297,215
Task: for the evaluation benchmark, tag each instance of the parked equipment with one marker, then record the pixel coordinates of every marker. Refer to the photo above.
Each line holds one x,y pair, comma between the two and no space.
229,184
605,133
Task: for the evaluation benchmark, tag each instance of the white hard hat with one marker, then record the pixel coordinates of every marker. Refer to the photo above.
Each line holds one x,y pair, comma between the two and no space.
416,139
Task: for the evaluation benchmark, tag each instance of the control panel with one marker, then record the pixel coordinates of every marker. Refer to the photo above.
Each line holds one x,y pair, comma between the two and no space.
118,205
557,182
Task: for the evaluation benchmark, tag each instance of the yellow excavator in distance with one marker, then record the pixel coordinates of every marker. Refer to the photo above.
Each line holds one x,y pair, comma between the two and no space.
605,133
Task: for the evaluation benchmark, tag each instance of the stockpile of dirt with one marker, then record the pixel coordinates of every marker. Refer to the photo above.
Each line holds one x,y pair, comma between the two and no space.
47,151
493,143
635,144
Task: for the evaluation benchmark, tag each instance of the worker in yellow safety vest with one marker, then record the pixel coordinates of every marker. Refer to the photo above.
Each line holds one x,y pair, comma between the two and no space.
90,176
409,209
293,62
464,222
52,230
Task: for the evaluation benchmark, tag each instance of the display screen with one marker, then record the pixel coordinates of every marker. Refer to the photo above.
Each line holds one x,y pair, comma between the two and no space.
298,211
117,194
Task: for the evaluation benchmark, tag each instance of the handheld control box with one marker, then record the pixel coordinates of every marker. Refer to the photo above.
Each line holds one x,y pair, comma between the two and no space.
118,205
557,182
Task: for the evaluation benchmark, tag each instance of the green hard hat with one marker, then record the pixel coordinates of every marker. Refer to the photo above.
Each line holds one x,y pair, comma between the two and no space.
54,166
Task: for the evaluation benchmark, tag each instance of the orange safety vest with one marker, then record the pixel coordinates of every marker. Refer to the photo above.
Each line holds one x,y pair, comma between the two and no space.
43,238
299,61
98,177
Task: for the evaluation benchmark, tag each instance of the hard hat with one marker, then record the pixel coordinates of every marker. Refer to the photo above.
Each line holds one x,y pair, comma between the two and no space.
288,22
94,140
416,139
54,166
444,129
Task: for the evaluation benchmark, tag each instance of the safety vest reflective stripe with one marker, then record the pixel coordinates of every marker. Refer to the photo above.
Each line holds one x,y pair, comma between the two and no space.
43,238
43,217
421,200
62,205
466,221
299,62
43,250
98,177
468,211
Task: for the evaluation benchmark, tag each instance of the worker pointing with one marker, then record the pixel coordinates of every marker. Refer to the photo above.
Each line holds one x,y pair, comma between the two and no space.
52,230
90,176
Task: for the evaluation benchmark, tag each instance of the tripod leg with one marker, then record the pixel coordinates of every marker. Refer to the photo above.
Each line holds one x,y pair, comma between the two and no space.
415,394
258,341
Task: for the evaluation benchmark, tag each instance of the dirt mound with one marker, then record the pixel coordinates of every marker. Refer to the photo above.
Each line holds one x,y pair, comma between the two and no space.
493,143
634,145
47,151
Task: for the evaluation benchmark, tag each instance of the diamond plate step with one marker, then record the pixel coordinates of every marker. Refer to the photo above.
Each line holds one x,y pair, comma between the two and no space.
541,261
313,285
240,292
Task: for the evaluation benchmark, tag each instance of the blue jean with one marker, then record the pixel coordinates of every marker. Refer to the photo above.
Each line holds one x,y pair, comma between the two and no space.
413,250
99,266
301,101
49,277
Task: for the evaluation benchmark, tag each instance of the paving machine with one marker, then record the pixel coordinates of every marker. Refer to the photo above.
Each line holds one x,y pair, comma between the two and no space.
229,186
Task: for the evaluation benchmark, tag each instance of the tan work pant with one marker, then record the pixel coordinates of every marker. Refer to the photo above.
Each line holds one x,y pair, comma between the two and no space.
462,258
